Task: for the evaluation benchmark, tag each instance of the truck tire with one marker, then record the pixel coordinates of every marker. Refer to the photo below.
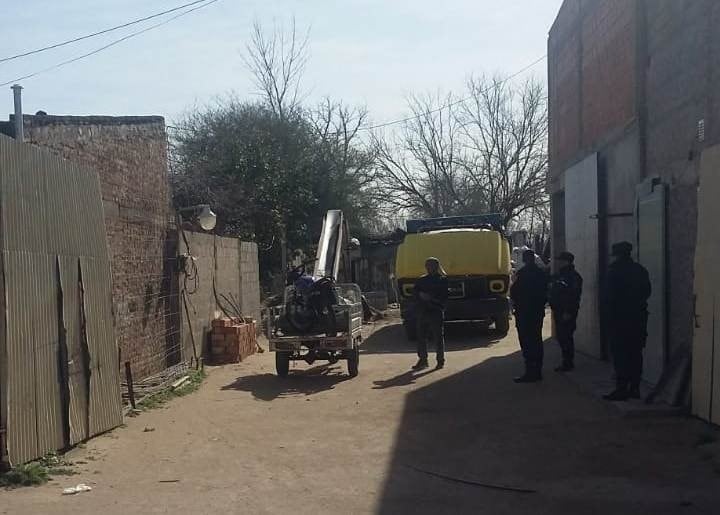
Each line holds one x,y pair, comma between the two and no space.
502,324
410,330
282,363
353,362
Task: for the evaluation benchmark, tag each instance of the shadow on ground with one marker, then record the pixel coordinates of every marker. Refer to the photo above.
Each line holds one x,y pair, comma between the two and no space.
475,442
391,339
310,381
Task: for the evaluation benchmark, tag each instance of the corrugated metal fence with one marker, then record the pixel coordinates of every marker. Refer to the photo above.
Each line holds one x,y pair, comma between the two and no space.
59,373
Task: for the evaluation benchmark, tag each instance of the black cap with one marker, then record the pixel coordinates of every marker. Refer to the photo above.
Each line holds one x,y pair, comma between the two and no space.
566,256
622,249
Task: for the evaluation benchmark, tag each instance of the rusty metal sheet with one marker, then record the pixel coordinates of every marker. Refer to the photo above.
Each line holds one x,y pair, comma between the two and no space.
51,219
75,355
105,395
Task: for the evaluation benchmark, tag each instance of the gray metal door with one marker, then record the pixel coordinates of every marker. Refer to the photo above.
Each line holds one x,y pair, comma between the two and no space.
706,344
651,254
581,238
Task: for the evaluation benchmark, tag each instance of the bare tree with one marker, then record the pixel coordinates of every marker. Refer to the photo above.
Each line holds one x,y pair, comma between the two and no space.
420,168
505,136
485,152
277,61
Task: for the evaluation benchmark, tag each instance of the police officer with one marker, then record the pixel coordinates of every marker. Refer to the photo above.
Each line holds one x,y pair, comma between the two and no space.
430,293
529,296
628,291
565,293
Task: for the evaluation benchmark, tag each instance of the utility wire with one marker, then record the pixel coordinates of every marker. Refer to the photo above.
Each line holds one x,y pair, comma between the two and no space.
99,33
454,102
112,44
432,111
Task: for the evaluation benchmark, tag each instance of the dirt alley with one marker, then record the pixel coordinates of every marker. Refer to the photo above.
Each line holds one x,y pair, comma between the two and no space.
318,442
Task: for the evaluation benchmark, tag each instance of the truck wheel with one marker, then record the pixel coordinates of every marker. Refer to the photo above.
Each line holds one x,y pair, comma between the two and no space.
353,361
502,325
282,363
410,330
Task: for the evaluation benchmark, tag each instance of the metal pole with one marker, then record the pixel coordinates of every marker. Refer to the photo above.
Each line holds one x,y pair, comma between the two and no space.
19,130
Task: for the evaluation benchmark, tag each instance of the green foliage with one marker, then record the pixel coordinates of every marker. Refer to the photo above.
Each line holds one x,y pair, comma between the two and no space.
157,400
265,174
36,472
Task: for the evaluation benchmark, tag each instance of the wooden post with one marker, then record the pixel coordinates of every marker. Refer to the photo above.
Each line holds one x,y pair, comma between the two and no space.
129,380
196,358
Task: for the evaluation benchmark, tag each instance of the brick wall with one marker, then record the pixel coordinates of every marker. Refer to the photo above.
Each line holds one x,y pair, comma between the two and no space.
130,157
591,78
608,67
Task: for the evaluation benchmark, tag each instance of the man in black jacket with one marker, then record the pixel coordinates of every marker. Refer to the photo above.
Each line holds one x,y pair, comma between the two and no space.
565,293
529,296
430,293
626,303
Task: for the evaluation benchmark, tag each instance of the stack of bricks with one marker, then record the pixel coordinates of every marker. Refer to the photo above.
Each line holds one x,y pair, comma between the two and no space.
232,341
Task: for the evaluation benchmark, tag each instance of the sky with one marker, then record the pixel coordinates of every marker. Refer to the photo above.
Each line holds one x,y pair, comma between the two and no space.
364,52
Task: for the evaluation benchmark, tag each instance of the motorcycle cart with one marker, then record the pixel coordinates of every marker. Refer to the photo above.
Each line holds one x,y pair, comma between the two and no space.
315,345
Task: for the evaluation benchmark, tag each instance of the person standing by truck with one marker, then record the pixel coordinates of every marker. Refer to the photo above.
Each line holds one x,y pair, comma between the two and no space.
529,296
431,292
565,293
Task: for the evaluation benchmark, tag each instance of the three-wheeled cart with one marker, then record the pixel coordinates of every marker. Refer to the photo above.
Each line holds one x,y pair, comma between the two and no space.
320,347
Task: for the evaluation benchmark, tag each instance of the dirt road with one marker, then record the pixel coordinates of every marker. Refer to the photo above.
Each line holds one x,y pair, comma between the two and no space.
386,442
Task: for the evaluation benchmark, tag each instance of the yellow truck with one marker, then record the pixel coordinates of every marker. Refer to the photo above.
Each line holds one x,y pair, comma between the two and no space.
475,255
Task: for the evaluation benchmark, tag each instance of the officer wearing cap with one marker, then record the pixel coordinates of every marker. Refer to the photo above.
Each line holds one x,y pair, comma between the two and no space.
529,296
565,293
431,292
626,302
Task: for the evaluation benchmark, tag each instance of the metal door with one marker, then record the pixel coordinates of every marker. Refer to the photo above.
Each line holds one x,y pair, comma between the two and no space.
581,238
706,344
651,254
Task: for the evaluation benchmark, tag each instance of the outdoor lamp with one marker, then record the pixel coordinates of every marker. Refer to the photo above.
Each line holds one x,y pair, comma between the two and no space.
205,217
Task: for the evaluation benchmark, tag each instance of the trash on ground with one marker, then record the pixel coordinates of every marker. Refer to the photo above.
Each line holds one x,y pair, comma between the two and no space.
82,487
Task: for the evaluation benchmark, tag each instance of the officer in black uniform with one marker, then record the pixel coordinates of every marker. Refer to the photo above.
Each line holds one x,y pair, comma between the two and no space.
431,292
628,291
529,296
565,293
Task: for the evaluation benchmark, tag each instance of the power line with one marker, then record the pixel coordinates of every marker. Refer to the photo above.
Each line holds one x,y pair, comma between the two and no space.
454,102
432,111
99,33
112,44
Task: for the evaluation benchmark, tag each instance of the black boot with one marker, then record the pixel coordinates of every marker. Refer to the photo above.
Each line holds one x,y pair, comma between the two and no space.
620,393
565,366
421,364
634,391
532,375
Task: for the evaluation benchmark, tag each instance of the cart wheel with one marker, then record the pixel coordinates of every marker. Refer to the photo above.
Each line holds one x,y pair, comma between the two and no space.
282,363
353,361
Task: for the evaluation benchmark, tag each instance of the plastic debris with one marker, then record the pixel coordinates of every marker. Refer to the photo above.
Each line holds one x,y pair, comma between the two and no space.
82,487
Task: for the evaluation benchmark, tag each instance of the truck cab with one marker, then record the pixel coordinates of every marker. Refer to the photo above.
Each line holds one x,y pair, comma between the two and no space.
474,253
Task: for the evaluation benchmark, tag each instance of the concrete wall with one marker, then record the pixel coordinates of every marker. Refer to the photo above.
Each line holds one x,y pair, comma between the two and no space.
130,156
223,267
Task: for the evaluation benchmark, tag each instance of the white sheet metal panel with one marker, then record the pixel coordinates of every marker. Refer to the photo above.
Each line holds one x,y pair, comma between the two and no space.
581,238
651,254
706,344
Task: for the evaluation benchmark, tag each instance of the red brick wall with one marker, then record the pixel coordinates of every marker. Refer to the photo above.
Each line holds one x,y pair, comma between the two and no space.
564,85
591,76
130,157
608,67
